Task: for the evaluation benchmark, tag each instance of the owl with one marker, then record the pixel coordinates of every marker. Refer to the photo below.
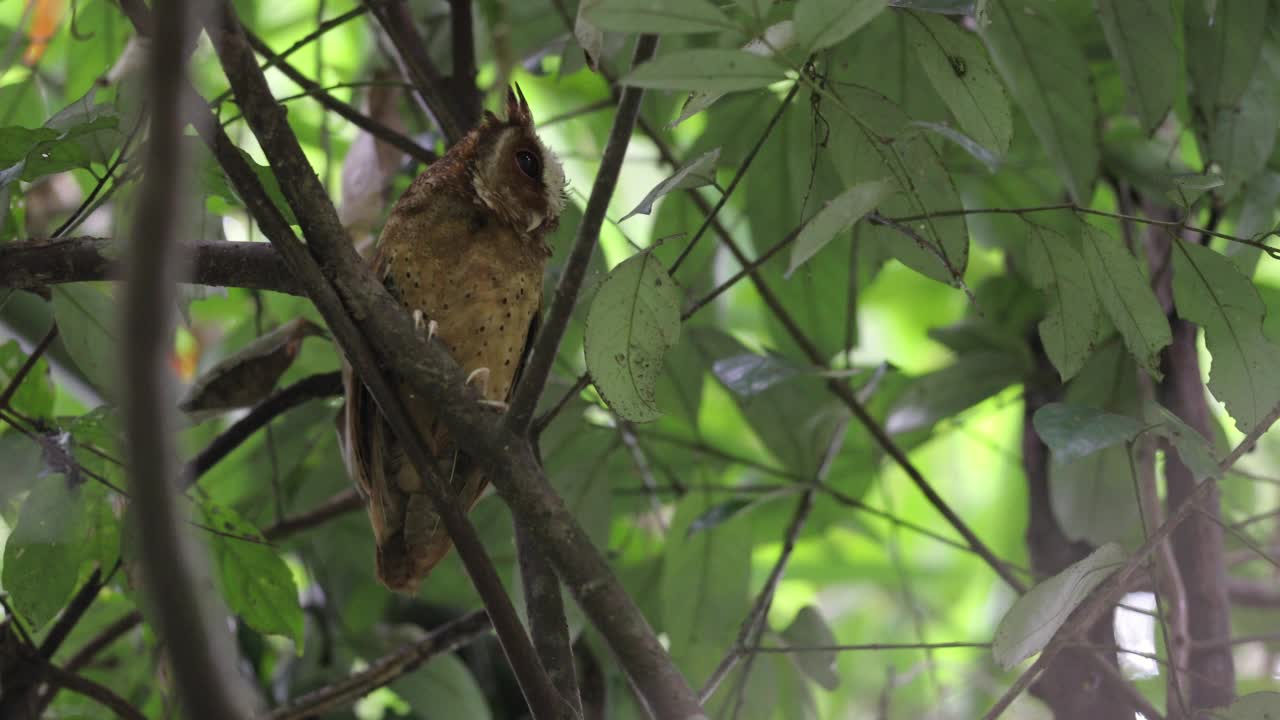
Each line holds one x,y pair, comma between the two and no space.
463,250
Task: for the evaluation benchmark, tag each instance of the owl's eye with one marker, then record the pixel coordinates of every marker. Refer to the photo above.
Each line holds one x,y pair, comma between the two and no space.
529,164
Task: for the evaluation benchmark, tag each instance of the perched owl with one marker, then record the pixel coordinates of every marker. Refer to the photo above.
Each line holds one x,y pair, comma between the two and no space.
463,251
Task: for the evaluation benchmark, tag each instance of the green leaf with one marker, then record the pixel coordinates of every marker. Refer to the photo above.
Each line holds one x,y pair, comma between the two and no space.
1093,500
662,17
823,23
1049,78
17,142
254,580
1223,50
1127,297
751,374
705,579
695,173
444,688
953,389
34,397
718,513
87,326
1256,221
810,629
837,216
1209,291
1254,706
775,38
958,67
41,560
708,70
1034,618
1242,135
1070,326
871,141
1074,431
633,321
1193,449
1143,38
23,461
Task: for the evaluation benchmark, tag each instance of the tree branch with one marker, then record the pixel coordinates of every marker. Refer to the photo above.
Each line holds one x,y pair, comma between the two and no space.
33,264
432,87
196,639
534,377
386,670
100,694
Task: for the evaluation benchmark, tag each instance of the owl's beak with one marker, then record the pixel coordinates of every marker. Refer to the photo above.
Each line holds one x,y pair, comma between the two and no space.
534,221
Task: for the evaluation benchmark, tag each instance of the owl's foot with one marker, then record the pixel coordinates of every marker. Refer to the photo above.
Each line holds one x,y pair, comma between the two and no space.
432,326
480,379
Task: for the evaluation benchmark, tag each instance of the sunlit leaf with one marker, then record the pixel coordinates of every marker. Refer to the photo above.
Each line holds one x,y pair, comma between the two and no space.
1035,617
708,70
1209,291
1049,77
633,321
958,67
1127,297
775,38
695,173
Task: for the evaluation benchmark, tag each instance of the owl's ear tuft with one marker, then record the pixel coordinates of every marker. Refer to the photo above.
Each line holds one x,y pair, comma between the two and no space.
518,107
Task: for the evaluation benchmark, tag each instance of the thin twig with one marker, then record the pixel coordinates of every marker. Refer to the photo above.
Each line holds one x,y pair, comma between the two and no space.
36,353
97,692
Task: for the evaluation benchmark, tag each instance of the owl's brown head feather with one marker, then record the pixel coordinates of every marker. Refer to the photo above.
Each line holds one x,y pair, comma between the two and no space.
513,173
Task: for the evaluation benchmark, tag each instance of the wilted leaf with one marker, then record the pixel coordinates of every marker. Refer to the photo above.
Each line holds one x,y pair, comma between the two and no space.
1070,327
957,66
1075,431
1209,291
823,23
254,580
1035,617
695,173
775,38
41,559
633,321
87,326
710,70
836,217
250,374
1049,77
1143,38
658,16
810,629
1127,297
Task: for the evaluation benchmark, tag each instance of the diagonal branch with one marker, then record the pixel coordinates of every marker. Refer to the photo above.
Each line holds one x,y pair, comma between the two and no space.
432,86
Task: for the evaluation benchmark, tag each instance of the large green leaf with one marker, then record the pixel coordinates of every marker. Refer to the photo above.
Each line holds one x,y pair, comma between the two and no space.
1143,37
1032,621
958,67
1127,297
34,397
707,70
254,579
1242,135
633,322
1076,431
957,387
1223,47
1069,330
657,16
41,558
836,217
444,688
1211,292
810,629
1256,220
87,325
823,23
1049,78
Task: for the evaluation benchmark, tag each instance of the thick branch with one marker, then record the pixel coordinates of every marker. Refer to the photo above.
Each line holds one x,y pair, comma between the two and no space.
195,637
33,264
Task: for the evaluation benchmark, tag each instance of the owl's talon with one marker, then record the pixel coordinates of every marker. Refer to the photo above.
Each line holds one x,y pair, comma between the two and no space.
418,322
480,379
498,405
